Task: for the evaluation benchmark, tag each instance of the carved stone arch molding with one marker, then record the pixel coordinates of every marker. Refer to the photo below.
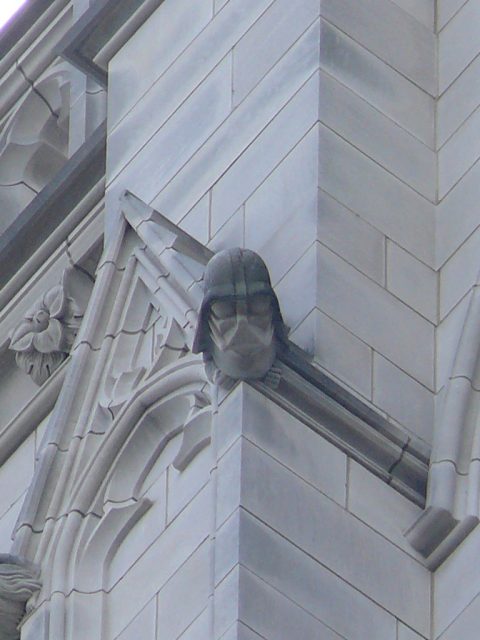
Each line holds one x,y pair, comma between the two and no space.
141,389
453,497
34,141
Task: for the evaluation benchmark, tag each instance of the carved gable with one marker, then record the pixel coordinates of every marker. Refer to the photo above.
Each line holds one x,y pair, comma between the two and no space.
141,388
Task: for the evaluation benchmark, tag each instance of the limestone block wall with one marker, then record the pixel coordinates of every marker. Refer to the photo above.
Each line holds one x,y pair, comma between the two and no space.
457,216
308,543
377,285
303,131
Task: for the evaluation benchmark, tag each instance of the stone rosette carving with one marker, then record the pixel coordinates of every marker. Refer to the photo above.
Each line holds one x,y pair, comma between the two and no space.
240,327
44,338
19,581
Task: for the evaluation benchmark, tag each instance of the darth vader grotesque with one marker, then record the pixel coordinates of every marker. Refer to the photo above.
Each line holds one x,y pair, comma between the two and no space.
240,327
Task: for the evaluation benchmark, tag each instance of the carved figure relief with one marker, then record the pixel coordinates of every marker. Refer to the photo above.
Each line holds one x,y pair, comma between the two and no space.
42,341
19,581
240,327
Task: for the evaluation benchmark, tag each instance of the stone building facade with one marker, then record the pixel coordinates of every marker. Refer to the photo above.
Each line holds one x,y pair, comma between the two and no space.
142,498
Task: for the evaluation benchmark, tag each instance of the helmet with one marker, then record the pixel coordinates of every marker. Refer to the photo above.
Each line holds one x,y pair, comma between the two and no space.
235,273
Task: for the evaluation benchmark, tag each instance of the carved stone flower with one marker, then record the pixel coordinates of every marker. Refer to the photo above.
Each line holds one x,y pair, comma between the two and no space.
43,340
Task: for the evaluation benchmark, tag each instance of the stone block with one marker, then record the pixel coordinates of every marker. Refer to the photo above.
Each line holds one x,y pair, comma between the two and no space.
169,551
143,625
227,546
151,51
197,221
285,201
377,196
143,534
231,234
380,506
456,583
447,339
16,474
458,44
459,273
192,66
184,485
352,363
458,154
377,83
412,281
259,159
229,482
242,127
284,142
304,582
458,102
377,136
294,445
403,398
268,612
465,626
404,633
375,316
185,595
200,629
356,241
446,9
267,41
416,61
452,229
297,289
424,12
239,631
226,603
176,141
304,334
343,544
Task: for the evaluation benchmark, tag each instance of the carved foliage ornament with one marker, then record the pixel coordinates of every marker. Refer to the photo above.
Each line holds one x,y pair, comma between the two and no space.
43,340
240,327
19,581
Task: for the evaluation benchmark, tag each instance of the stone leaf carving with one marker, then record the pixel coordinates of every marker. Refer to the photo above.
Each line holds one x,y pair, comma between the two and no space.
240,327
43,340
19,581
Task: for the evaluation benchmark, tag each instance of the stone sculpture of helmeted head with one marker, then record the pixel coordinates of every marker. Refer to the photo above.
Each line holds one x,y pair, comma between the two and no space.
240,327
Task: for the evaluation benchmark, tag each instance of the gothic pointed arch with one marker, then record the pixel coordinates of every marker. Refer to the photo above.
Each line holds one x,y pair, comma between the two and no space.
143,389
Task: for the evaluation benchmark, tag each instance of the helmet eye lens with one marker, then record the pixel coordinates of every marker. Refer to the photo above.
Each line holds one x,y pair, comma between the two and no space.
223,309
259,304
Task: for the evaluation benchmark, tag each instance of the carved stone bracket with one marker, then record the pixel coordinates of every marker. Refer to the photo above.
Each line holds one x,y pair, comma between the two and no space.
19,581
44,338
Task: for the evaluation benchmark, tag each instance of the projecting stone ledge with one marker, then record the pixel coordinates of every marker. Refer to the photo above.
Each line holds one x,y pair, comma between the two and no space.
351,425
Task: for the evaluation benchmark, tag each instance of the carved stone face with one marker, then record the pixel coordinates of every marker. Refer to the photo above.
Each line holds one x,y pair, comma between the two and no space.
240,325
242,335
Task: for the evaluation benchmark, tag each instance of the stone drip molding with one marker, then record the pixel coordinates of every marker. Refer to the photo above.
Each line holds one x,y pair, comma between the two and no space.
453,499
19,582
43,340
